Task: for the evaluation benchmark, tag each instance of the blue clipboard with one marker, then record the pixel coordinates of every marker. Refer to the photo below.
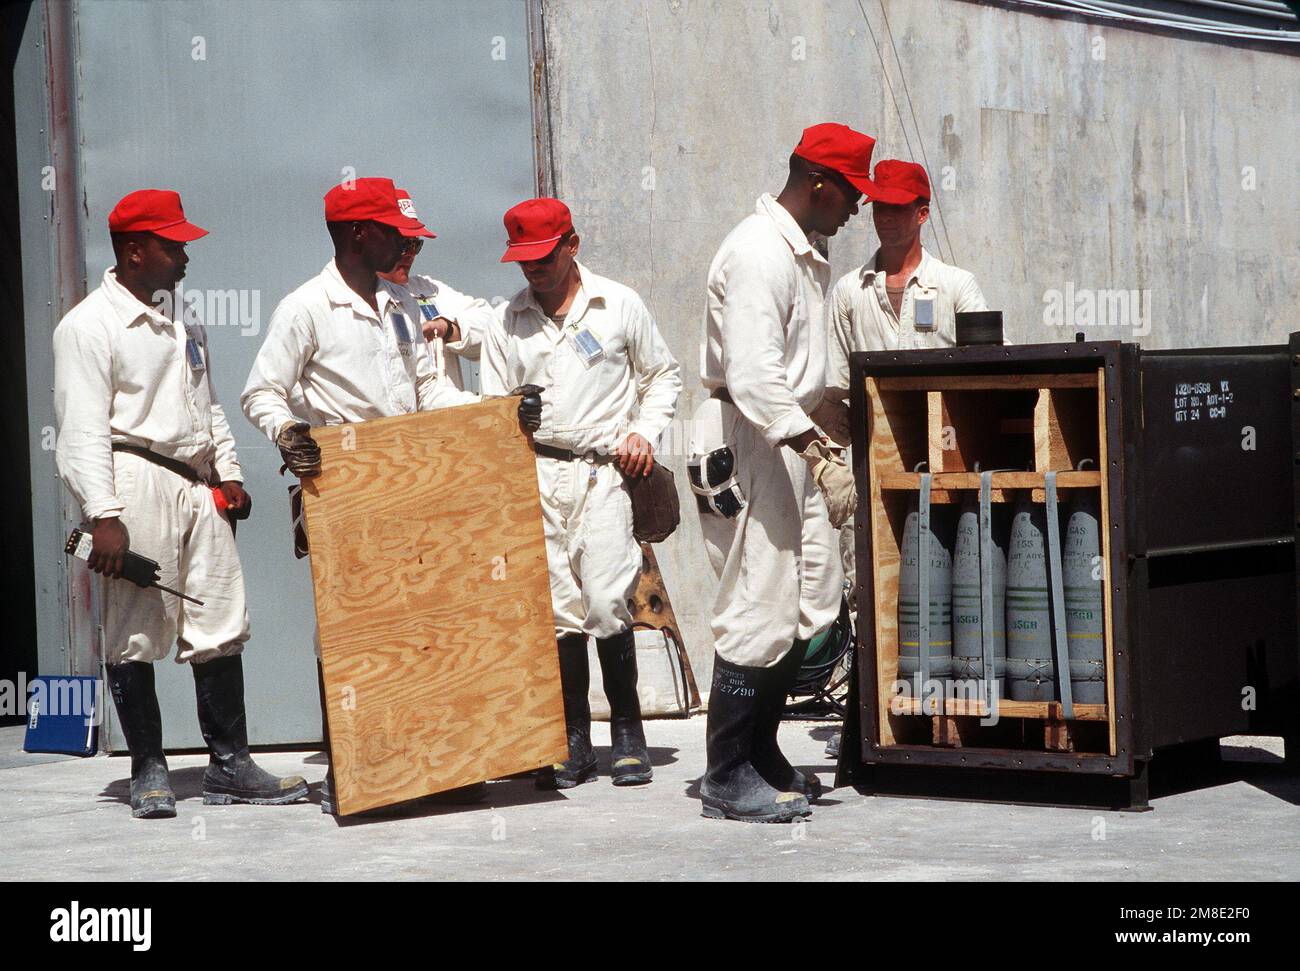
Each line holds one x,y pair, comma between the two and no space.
63,715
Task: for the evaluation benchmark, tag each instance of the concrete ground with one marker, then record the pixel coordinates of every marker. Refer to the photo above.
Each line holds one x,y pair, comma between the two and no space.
66,819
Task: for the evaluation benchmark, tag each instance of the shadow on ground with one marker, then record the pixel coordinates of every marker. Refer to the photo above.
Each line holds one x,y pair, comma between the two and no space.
516,790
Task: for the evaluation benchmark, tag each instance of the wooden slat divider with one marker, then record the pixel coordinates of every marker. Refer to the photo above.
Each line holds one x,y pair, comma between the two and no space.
1046,710
988,382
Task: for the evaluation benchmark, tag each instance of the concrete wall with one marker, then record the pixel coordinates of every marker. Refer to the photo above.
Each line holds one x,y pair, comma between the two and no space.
1068,157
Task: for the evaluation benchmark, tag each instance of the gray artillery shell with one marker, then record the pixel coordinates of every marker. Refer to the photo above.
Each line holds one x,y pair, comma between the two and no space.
1031,670
909,595
967,608
1084,607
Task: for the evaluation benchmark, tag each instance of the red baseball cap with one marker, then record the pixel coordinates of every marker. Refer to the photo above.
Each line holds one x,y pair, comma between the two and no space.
156,211
900,183
841,148
370,200
406,205
534,227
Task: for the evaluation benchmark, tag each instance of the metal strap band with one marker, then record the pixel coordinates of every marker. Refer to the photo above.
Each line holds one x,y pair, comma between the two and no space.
1057,590
987,619
923,581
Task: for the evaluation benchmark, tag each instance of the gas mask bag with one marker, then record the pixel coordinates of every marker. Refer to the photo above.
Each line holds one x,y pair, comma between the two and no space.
713,480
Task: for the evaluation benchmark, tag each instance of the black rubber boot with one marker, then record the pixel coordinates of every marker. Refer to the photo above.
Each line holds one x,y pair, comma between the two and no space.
136,701
327,804
771,764
629,758
833,746
575,680
232,775
732,788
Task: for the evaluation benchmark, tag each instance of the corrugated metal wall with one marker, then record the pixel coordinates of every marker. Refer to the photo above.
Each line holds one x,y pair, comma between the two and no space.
252,111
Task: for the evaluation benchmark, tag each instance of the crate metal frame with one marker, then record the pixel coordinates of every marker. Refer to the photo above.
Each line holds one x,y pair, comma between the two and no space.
1140,697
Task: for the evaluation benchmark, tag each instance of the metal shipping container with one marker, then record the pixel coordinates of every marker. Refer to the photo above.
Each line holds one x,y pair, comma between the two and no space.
1193,456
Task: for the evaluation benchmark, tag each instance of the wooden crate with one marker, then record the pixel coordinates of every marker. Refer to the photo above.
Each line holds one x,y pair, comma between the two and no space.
433,604
950,424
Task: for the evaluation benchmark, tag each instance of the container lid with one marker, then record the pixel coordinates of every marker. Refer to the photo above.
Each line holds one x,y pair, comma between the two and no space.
979,327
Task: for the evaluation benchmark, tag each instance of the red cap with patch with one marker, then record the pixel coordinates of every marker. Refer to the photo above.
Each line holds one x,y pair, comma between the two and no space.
900,183
406,205
841,148
370,200
156,211
534,227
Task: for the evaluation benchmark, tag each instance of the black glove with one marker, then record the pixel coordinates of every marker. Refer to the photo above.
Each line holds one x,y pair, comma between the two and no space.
299,450
530,407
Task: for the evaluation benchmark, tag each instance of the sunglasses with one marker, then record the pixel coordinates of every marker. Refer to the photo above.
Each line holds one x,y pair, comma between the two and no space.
413,245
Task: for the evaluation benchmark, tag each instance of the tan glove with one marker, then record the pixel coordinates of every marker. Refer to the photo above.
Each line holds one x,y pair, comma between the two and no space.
834,479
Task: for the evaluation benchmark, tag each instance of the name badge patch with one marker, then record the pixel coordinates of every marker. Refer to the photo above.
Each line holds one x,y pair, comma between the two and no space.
587,347
400,328
428,309
923,310
194,354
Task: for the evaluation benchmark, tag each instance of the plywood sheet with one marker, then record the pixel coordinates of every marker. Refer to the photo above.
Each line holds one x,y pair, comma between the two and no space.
433,604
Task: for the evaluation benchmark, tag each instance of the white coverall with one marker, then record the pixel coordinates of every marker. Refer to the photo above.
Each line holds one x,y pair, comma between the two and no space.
594,560
470,314
765,343
328,359
346,362
341,361
862,319
126,373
